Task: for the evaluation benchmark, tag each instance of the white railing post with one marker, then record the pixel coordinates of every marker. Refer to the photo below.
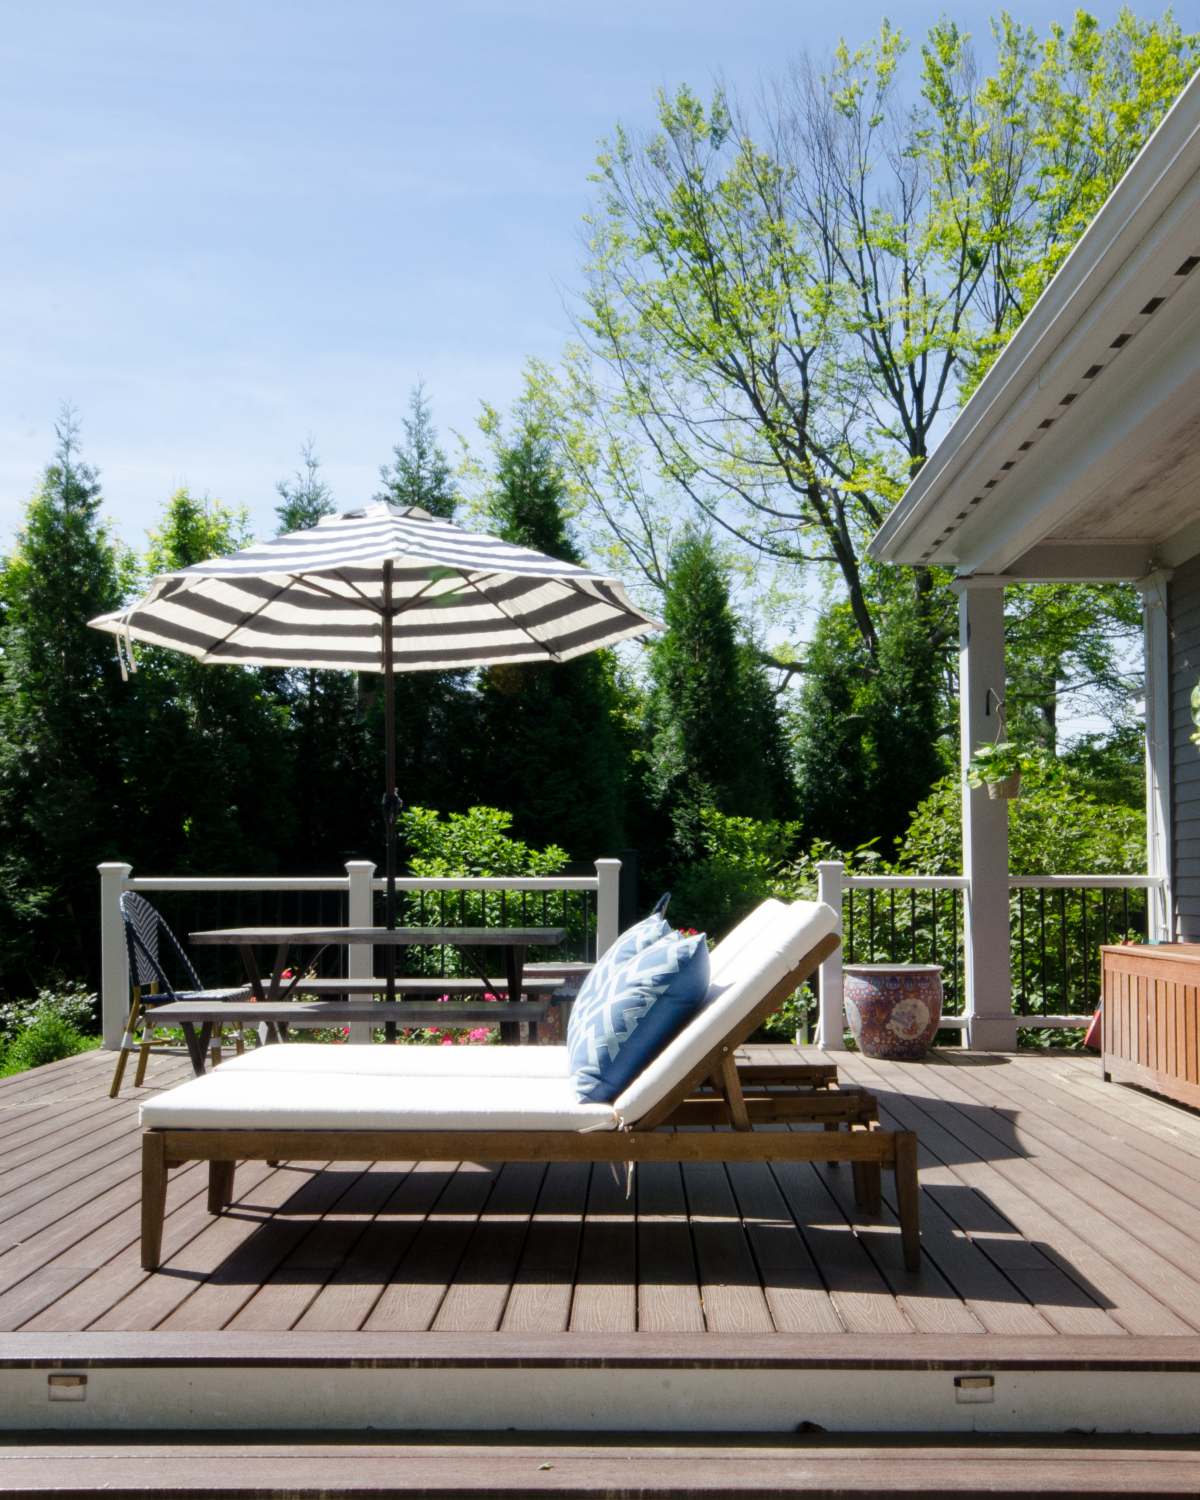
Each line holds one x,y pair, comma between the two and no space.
114,961
832,1025
360,913
608,904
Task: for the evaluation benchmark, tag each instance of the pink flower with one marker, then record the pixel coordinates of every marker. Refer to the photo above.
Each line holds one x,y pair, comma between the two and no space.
447,1041
480,1034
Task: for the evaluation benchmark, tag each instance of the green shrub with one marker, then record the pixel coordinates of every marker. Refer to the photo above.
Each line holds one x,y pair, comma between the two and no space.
74,1004
47,1040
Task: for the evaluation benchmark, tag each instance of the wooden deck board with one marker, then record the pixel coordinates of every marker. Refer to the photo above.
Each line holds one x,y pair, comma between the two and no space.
605,1299
1052,1181
540,1298
1052,1204
1078,1288
679,1468
669,1299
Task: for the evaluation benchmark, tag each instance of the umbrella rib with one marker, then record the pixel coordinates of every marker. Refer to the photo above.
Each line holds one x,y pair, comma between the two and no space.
245,620
307,583
369,602
553,655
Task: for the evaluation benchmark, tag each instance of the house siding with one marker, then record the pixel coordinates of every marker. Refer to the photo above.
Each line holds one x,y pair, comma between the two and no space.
1183,606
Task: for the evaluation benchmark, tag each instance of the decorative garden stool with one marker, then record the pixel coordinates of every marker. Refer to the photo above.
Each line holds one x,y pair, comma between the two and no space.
893,1009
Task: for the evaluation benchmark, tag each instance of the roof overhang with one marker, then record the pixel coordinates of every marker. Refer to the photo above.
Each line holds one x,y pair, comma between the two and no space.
1078,456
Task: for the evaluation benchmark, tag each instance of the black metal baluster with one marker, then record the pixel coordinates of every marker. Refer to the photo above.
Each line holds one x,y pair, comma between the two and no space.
1086,955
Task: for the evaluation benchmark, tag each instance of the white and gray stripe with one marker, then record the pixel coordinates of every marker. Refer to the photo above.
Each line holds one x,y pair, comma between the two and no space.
315,599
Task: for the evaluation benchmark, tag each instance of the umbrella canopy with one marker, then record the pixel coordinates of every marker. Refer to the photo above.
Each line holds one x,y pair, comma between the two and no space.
387,590
319,598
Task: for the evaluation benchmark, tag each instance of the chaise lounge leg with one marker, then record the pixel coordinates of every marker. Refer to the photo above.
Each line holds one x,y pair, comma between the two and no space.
908,1198
832,1125
220,1185
857,1177
154,1197
872,1187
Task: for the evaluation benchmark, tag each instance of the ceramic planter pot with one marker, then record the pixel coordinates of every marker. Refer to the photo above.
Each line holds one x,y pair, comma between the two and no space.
1005,790
893,1009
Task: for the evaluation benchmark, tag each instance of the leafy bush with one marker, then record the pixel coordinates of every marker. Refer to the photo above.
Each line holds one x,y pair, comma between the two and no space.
73,1004
1056,827
47,1040
473,843
740,870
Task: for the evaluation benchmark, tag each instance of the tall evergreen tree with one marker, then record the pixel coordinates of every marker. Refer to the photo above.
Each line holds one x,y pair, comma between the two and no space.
419,473
61,769
867,728
437,713
205,746
555,752
306,497
717,739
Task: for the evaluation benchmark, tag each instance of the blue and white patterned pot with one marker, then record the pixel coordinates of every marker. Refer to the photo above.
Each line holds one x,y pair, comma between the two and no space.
893,1009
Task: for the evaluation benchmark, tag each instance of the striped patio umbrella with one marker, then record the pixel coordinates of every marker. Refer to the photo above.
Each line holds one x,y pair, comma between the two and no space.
384,590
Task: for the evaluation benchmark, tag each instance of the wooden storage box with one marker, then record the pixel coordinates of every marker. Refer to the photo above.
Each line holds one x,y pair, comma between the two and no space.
1150,1034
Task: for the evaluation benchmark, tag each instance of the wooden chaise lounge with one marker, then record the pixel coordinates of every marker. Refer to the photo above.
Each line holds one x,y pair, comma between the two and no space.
261,1108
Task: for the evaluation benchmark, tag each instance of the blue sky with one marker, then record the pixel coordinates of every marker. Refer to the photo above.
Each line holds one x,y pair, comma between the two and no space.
228,225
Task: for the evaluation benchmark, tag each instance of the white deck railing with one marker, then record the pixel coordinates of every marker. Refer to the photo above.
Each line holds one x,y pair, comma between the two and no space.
833,883
359,885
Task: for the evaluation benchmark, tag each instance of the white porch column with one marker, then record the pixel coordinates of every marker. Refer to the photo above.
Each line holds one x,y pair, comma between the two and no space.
114,959
831,1026
360,913
1157,649
988,968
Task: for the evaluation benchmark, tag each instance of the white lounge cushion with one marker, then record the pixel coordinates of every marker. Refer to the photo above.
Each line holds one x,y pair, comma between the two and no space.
400,1061
742,985
733,944
229,1100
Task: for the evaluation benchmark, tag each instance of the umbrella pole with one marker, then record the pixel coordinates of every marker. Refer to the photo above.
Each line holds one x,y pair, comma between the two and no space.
391,803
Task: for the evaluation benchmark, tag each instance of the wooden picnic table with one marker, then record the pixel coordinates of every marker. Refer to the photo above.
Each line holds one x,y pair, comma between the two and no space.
198,1018
513,941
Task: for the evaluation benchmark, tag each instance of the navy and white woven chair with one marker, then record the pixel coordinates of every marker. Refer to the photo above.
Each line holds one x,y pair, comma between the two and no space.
149,940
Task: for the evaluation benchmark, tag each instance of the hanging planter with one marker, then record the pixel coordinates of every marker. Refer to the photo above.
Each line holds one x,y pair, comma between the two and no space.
997,767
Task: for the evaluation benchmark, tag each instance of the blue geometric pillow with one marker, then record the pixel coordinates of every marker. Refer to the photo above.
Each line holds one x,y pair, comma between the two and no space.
618,1030
631,941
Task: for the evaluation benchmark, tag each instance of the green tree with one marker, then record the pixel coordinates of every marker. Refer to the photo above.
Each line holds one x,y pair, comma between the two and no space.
192,531
61,768
715,735
782,308
419,473
306,497
203,746
867,727
1077,645
555,743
